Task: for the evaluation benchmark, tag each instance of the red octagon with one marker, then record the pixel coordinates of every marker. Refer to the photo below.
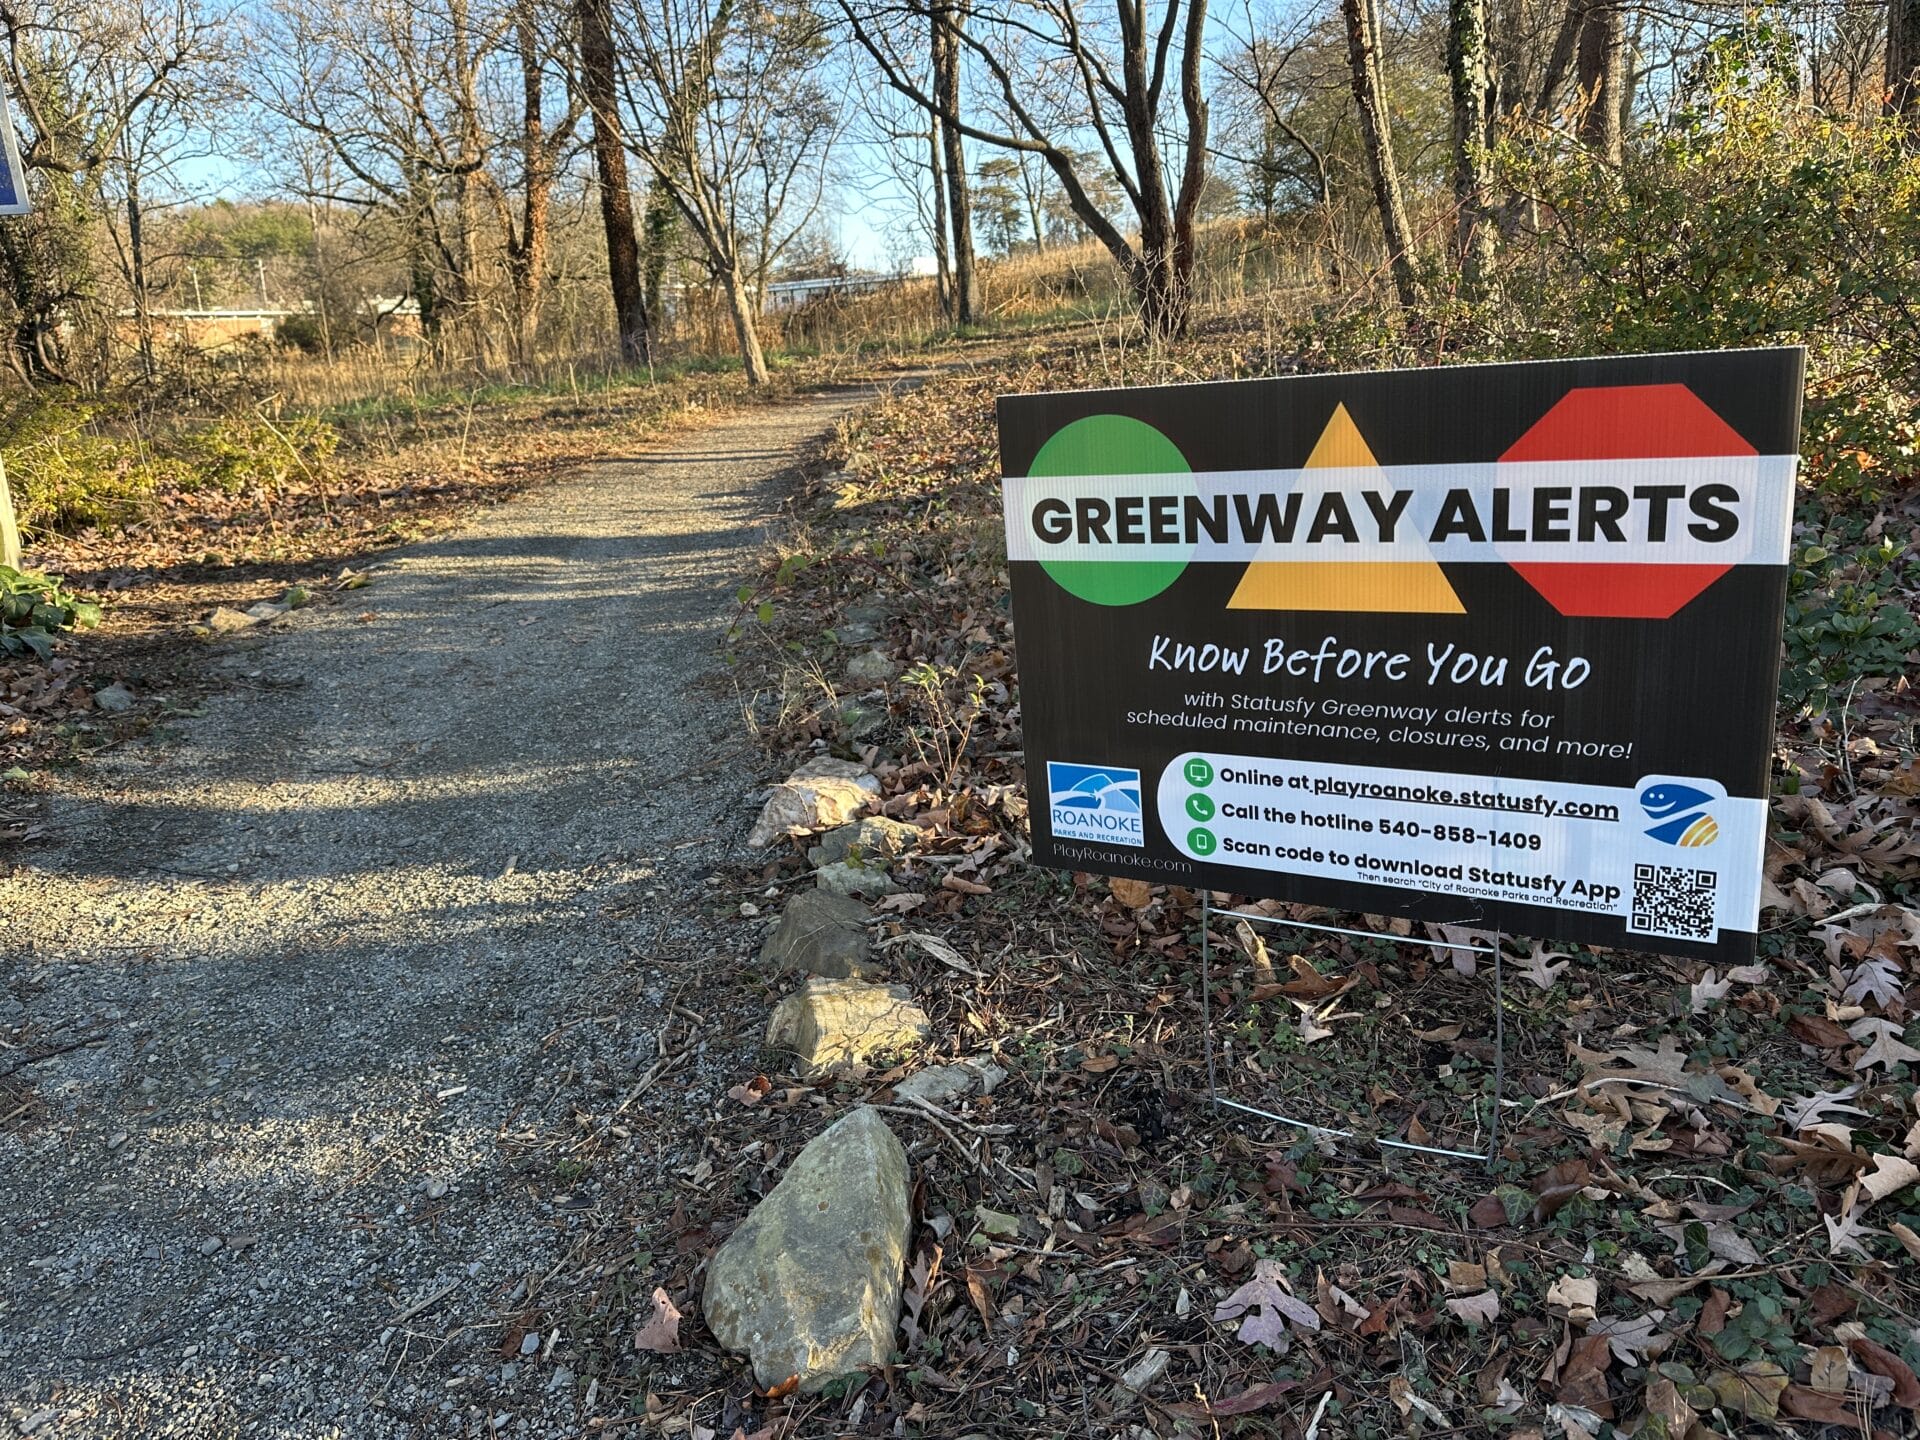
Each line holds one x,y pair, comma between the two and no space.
1625,422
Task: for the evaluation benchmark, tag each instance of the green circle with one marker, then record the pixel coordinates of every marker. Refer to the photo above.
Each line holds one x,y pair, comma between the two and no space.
1199,807
1110,445
1198,772
1200,841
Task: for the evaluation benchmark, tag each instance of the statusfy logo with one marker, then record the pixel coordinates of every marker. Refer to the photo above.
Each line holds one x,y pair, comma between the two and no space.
1680,814
1095,802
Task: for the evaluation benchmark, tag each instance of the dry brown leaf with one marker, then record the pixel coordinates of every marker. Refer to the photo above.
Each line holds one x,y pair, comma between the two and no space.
1476,1310
1890,1173
660,1333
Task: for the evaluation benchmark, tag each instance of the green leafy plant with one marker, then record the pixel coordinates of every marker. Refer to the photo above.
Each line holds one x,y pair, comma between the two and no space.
34,608
251,452
1843,621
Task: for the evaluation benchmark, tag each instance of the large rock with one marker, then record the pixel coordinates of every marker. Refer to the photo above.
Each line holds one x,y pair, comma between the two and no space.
822,793
875,837
871,665
822,934
226,621
849,879
809,1285
830,1024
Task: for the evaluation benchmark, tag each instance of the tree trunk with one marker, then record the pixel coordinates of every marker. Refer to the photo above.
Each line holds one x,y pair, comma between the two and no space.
1472,165
942,254
966,290
745,327
527,259
1602,74
601,86
1363,56
137,261
1903,60
657,235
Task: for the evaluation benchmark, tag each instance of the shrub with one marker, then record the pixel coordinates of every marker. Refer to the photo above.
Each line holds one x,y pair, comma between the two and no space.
251,453
1750,219
65,474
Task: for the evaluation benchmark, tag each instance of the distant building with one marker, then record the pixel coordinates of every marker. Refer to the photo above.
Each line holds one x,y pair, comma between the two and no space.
792,294
209,331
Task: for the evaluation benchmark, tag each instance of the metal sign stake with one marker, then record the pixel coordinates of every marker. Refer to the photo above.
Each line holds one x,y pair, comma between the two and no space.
1221,1102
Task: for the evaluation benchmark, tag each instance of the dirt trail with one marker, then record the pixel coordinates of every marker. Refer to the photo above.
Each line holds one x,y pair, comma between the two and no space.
349,946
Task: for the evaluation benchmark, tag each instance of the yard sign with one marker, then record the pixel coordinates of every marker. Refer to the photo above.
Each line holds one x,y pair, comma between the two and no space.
13,180
1495,644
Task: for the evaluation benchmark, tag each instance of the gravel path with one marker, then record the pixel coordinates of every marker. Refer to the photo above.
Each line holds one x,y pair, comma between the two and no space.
354,951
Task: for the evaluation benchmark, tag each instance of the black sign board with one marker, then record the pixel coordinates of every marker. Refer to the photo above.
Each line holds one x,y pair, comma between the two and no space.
1492,645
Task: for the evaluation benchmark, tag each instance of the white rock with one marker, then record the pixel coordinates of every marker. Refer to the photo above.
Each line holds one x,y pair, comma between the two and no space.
822,793
809,1285
831,1023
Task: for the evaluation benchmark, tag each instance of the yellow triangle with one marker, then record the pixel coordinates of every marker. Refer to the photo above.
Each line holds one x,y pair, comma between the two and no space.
1367,586
1340,445
1374,587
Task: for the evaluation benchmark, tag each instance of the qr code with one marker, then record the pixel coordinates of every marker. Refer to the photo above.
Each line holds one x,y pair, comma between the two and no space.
1673,901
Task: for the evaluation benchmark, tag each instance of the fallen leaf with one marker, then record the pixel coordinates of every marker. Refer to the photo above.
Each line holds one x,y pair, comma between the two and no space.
1890,1173
1489,1212
1559,1185
1827,1370
1882,1361
1818,1031
1247,1402
1540,966
660,1334
1583,1383
1665,1405
1845,1233
1635,1340
1575,1296
1708,991
1134,894
1753,1391
1263,1308
1886,1049
1464,1277
1799,1114
1713,1314
1805,1403
1909,1241
1476,1310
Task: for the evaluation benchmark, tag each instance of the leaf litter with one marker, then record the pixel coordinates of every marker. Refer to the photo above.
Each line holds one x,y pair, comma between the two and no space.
1676,1226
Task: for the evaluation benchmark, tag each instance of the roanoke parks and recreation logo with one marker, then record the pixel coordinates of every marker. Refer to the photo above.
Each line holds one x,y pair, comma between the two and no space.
1095,802
1680,814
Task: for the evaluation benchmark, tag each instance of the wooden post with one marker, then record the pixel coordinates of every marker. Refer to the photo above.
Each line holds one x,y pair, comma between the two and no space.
9,530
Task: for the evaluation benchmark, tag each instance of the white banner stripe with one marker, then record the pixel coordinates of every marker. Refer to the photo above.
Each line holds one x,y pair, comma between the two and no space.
1715,510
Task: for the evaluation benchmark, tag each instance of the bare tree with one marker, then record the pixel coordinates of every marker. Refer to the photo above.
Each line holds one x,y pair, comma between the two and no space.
600,81
541,144
1903,60
965,290
1601,68
736,131
1062,76
1470,84
1264,66
1363,56
100,85
393,89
